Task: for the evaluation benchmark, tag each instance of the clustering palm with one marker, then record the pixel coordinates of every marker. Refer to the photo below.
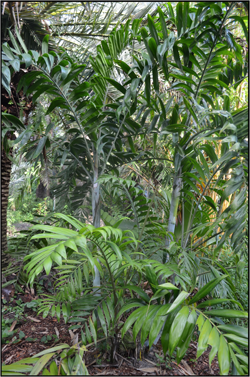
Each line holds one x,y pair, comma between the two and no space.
191,119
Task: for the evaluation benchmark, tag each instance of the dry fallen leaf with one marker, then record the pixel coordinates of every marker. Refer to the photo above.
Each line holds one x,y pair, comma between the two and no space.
13,326
57,332
34,319
187,367
74,337
149,370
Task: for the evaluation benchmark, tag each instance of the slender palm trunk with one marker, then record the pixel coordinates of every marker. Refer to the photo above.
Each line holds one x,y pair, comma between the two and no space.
96,213
5,181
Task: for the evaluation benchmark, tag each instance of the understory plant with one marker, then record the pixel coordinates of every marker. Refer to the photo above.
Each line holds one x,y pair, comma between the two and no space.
122,269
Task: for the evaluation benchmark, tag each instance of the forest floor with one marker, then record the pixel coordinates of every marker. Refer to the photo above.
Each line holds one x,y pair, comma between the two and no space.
34,334
38,334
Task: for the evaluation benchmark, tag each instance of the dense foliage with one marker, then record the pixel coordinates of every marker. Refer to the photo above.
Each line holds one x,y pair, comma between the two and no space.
153,152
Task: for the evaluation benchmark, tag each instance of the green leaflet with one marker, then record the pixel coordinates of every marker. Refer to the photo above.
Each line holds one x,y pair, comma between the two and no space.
206,289
147,323
186,336
235,361
131,319
234,329
214,341
223,356
227,313
139,322
203,338
177,328
165,334
216,301
102,320
152,29
139,291
200,322
177,56
179,300
237,339
163,23
157,323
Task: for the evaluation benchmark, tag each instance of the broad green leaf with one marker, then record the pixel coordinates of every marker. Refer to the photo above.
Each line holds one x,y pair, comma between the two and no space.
177,328
57,103
128,307
15,64
87,333
53,369
236,362
131,319
186,336
13,119
187,79
65,312
206,289
116,85
147,323
168,286
56,258
14,43
93,330
126,68
102,320
6,49
139,291
165,334
27,59
227,313
139,322
134,86
177,56
179,300
217,301
203,338
214,341
200,321
243,358
41,364
237,339
53,349
157,323
152,29
60,249
163,23
179,19
6,78
47,264
152,46
234,329
223,357
45,44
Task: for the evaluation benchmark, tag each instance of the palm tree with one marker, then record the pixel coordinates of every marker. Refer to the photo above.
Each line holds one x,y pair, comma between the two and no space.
33,21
